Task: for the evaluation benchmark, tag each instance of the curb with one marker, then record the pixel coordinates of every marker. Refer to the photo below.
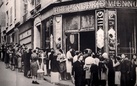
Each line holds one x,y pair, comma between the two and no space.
58,84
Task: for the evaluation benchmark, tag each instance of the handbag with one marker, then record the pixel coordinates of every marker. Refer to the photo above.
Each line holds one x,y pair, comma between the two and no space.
40,71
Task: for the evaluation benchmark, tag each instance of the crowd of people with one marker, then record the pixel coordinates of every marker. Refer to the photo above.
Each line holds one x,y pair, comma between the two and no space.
83,68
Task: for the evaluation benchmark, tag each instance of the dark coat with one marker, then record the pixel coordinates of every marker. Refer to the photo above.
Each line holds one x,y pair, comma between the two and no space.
79,73
125,72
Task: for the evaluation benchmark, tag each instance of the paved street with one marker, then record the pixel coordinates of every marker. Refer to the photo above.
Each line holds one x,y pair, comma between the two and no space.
14,78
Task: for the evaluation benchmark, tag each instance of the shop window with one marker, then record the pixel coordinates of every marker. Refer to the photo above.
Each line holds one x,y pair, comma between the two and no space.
87,21
126,32
72,22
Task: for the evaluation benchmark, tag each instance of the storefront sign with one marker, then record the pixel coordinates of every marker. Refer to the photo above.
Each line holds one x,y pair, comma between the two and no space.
112,31
100,28
121,3
79,7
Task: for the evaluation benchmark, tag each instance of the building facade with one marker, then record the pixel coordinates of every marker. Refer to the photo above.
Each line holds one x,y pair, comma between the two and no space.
26,25
101,25
2,23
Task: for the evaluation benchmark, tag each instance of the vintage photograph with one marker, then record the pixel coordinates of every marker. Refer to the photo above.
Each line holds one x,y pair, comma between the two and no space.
68,43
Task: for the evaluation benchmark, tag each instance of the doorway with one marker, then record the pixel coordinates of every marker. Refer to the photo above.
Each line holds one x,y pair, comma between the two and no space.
87,40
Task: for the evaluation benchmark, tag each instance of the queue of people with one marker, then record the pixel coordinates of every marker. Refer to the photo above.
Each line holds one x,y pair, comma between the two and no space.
104,70
83,68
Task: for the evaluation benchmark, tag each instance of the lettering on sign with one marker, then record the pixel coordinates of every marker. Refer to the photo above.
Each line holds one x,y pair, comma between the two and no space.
93,5
122,3
79,7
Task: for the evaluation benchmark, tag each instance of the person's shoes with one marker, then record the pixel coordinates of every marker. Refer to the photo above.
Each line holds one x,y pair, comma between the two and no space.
33,82
36,82
65,79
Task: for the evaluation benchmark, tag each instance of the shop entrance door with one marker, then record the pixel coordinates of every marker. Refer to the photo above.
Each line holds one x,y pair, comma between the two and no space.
87,40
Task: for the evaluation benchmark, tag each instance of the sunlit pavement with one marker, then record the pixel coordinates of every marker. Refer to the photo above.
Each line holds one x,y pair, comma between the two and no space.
15,78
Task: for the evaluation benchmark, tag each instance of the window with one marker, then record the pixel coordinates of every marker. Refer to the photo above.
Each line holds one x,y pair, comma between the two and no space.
33,2
25,6
15,8
127,25
11,15
7,18
37,2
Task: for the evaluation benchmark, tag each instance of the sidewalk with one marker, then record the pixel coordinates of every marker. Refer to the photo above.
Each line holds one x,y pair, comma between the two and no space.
61,83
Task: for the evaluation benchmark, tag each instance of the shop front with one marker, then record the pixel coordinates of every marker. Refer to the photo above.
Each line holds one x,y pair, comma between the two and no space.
126,31
111,30
25,33
106,26
79,29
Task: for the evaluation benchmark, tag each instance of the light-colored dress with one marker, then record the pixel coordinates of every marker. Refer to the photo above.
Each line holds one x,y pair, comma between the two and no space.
69,63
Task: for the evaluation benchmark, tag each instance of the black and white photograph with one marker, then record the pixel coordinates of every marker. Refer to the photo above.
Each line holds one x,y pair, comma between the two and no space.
68,43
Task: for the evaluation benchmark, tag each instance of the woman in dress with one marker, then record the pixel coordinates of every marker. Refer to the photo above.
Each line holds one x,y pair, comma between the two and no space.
19,60
54,64
125,71
116,65
78,72
103,69
34,67
69,62
27,62
62,64
7,58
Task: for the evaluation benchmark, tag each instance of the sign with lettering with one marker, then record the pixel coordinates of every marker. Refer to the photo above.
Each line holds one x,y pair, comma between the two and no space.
121,3
79,7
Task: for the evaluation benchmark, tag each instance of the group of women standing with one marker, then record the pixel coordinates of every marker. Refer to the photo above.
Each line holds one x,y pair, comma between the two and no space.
104,70
84,68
